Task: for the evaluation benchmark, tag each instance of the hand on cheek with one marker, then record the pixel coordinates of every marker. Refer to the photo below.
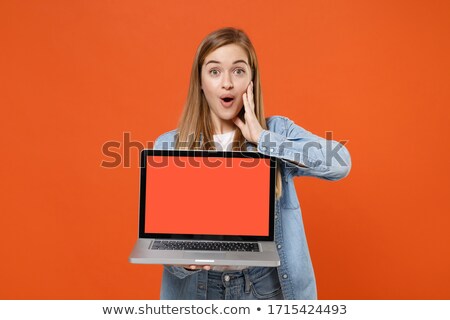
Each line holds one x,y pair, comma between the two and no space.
251,129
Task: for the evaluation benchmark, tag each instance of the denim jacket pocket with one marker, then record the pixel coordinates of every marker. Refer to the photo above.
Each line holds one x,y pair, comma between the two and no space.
268,287
179,272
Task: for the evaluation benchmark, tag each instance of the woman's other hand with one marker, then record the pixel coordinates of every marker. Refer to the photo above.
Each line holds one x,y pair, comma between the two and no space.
251,129
193,267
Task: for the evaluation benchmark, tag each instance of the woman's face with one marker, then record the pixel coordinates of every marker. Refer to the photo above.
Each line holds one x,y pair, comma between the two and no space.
225,77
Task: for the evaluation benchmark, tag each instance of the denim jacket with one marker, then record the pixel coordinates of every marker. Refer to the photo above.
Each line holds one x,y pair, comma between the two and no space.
326,159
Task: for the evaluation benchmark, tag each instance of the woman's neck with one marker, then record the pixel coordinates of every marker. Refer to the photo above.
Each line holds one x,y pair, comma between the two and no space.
223,128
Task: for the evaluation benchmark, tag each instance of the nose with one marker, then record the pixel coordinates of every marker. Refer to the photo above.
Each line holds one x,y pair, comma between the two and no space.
227,83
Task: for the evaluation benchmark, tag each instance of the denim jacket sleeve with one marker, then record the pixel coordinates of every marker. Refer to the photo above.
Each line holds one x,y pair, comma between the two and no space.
303,153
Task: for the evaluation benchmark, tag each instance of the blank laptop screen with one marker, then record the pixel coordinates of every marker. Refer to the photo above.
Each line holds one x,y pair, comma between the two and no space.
207,196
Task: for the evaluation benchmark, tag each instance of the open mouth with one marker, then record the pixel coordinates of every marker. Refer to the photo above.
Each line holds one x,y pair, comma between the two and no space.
227,100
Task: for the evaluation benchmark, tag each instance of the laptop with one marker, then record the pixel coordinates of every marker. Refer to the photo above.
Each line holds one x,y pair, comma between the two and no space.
201,207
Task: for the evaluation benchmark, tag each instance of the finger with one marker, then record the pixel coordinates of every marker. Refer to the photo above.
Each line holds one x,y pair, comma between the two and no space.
250,89
250,97
246,104
187,267
196,267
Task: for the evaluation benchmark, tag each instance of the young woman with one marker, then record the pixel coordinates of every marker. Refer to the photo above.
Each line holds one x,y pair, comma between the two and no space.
224,110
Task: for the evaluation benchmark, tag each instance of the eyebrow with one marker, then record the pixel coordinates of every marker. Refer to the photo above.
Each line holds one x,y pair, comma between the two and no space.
237,61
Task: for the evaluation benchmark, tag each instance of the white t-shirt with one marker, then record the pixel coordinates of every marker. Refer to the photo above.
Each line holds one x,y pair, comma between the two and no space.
224,142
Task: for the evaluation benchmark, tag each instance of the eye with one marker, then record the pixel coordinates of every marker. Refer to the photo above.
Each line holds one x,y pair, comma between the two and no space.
214,72
240,71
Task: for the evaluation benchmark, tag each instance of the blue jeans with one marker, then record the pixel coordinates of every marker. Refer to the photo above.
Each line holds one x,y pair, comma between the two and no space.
248,284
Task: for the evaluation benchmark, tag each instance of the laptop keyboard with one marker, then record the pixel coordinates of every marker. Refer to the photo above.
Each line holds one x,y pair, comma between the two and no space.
205,245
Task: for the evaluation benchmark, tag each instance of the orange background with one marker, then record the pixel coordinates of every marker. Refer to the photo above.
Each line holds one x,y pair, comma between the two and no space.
76,74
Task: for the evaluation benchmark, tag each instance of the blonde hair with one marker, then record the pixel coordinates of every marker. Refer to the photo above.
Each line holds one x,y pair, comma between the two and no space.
196,119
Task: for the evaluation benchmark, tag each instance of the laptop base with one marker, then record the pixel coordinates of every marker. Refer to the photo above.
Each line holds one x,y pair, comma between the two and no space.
142,254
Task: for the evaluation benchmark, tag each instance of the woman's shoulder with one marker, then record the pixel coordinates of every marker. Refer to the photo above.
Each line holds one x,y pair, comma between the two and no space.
165,138
277,123
168,135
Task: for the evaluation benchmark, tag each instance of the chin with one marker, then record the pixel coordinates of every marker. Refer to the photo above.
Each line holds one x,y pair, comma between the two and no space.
229,116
